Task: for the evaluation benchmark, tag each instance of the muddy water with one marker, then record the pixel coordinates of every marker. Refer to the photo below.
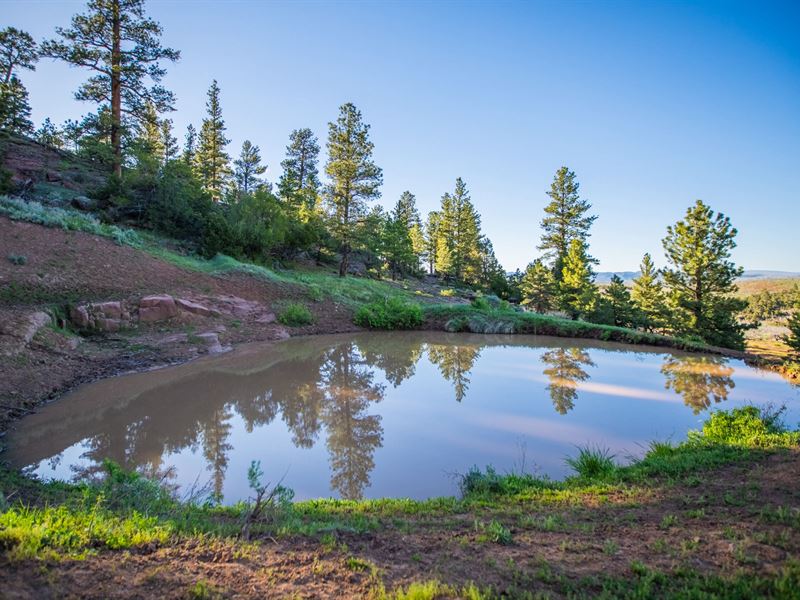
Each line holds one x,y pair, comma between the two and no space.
386,414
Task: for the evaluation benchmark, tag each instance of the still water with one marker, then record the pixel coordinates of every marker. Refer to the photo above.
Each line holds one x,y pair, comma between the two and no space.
386,414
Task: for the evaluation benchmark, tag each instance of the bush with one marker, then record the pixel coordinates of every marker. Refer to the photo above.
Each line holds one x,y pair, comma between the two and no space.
481,303
296,315
448,293
748,426
17,259
389,313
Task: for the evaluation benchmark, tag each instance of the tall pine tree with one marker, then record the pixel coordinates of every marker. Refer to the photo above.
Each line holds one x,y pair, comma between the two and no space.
538,287
565,220
18,50
211,162
120,45
249,168
648,295
354,178
299,185
702,278
577,293
459,235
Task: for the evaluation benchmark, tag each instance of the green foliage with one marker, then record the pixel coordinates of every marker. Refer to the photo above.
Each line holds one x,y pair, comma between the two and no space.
15,111
793,338
354,178
458,232
576,293
538,287
647,295
65,218
749,426
494,531
617,299
702,277
211,161
389,313
249,169
565,220
17,259
296,315
299,185
593,463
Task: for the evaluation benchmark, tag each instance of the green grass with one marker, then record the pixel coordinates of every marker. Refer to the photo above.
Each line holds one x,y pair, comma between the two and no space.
389,313
593,463
295,314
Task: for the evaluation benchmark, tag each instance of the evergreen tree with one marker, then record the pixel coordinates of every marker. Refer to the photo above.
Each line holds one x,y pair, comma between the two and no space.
397,248
793,338
491,275
354,177
538,287
577,293
702,278
190,145
458,244
299,184
406,210
432,239
49,135
249,168
150,134
648,295
15,112
17,51
617,298
116,41
168,141
565,220
212,163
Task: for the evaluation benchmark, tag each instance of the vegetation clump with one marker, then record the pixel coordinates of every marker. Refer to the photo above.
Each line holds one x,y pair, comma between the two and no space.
296,315
389,313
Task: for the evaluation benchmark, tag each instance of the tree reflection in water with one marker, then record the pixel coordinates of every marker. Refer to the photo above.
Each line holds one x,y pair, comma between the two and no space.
455,363
699,379
565,371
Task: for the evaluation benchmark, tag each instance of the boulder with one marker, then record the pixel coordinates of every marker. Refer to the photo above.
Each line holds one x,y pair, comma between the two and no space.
157,308
79,315
17,333
101,316
196,308
83,203
266,318
211,341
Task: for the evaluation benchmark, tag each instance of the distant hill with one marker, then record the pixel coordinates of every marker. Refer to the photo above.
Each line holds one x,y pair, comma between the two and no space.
604,277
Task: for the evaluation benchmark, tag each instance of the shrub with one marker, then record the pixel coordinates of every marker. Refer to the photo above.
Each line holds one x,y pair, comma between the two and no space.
296,315
481,303
448,293
746,426
389,313
17,259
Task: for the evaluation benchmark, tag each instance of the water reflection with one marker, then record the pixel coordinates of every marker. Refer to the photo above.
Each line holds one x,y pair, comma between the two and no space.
332,391
565,370
701,380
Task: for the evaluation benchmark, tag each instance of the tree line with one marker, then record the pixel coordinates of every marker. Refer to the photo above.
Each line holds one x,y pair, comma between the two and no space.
197,192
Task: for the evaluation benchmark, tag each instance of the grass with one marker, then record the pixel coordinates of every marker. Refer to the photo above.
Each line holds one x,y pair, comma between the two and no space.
593,463
295,314
389,313
507,319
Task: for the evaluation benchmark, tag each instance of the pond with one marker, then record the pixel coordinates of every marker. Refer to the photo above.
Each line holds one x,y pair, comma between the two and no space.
386,414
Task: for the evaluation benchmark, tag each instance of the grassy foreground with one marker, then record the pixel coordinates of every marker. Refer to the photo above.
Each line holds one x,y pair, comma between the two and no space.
502,518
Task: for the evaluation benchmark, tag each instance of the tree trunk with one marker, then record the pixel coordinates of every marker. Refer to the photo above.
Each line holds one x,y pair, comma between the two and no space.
116,90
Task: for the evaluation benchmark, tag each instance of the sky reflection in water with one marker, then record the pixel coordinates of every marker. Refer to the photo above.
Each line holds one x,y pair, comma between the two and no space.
386,414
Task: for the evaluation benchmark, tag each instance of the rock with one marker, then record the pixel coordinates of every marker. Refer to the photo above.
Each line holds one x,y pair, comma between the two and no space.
157,308
211,342
103,324
280,334
196,308
79,315
110,310
101,316
17,333
266,318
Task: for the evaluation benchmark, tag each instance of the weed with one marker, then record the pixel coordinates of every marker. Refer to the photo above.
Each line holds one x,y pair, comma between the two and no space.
494,531
17,259
389,313
593,463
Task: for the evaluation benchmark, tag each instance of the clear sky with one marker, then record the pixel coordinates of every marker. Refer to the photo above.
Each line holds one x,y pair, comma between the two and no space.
652,104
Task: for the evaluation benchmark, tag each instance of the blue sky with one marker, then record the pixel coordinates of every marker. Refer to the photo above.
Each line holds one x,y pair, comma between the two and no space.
653,105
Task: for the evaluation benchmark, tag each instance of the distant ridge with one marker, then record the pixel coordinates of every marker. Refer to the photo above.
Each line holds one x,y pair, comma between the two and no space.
628,276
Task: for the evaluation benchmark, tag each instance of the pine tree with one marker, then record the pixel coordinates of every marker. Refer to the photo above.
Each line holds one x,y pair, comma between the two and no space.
168,141
49,135
491,275
299,184
406,210
212,163
354,177
249,168
396,247
577,293
17,51
617,298
407,218
150,134
116,41
793,338
538,287
190,145
648,295
15,112
432,239
459,235
703,278
565,220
